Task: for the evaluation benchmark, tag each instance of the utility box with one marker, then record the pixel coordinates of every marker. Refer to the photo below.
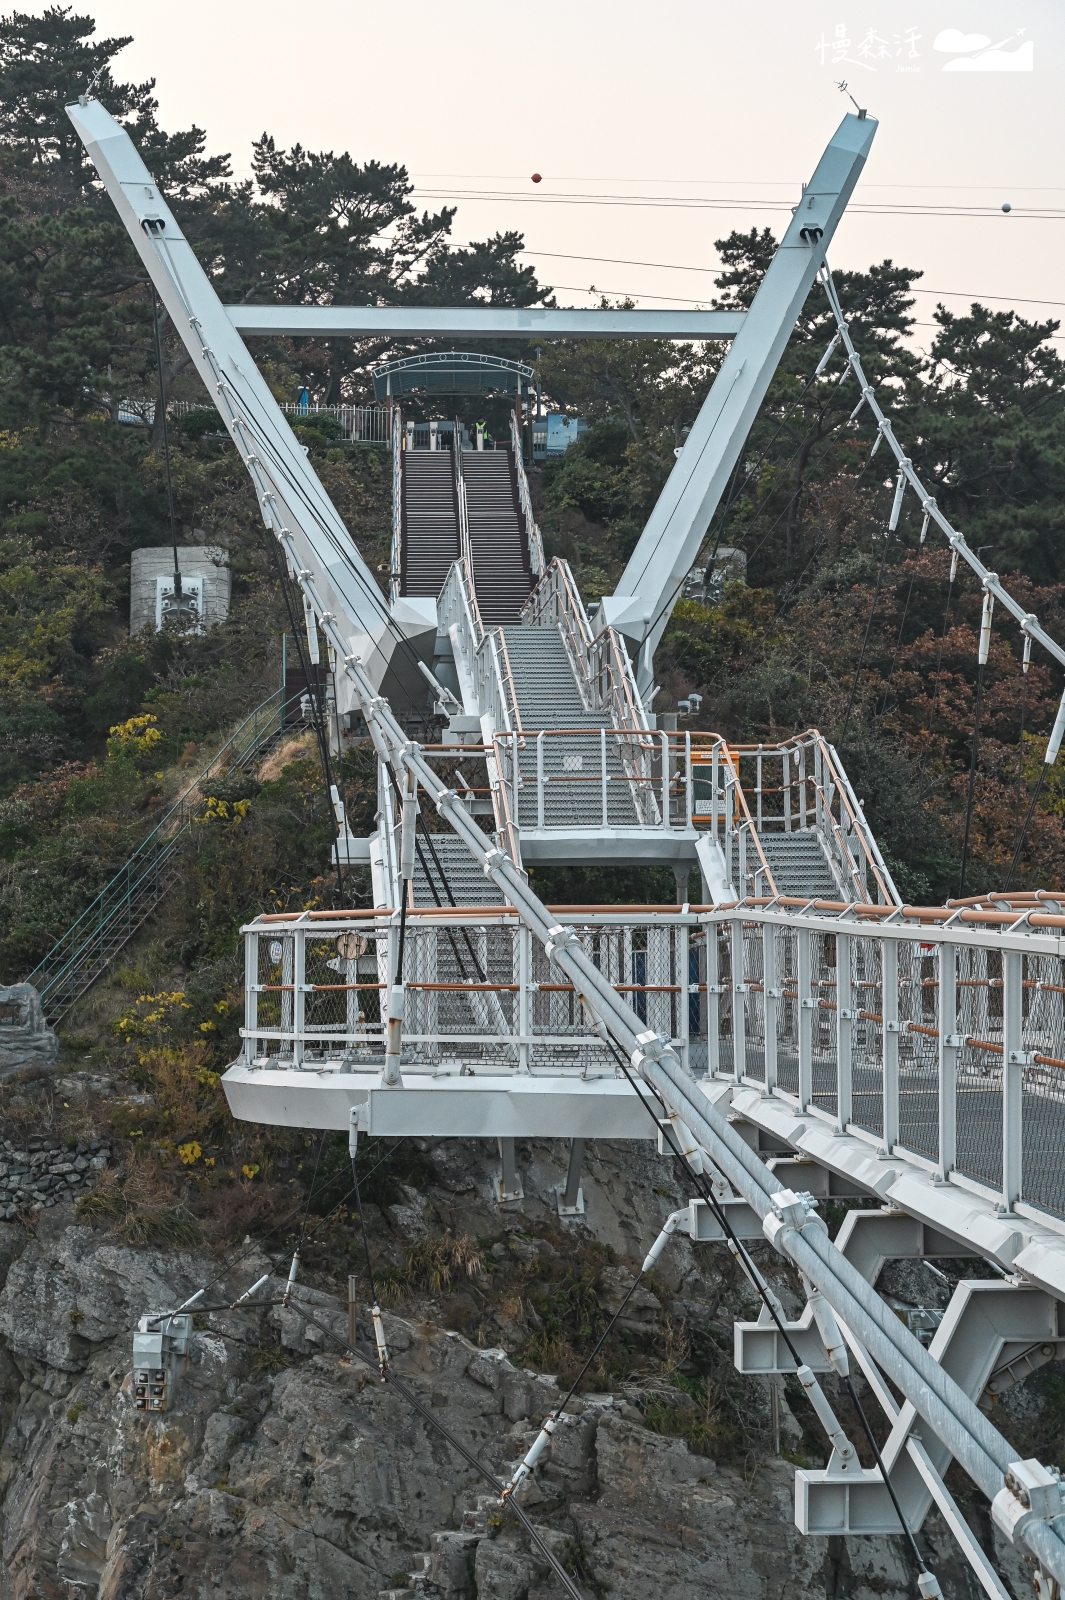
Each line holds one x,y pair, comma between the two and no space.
160,1349
205,585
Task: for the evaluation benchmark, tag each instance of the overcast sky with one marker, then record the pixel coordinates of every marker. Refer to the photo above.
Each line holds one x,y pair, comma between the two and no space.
665,125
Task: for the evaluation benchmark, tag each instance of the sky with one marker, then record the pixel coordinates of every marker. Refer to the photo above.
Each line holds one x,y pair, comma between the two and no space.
656,129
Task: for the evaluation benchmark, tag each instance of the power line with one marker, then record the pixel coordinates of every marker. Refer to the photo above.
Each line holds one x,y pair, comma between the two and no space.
697,203
676,266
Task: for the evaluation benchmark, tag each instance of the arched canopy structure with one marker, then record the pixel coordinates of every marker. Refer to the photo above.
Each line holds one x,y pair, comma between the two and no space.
451,372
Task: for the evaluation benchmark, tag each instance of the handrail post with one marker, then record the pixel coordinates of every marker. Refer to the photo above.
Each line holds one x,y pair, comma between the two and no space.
948,1060
806,1005
524,1018
602,772
802,786
299,996
540,779
689,784
785,784
770,1001
889,1010
665,779
682,948
844,1031
288,994
715,763
251,995
713,1002
739,1015
1012,1075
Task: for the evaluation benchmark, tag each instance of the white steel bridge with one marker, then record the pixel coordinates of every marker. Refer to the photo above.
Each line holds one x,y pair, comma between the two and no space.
801,1034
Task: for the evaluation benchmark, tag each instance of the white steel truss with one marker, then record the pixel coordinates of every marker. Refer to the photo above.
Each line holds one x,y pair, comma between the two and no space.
914,1054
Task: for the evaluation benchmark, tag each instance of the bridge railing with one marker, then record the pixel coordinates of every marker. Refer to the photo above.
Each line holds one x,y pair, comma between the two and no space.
940,1036
475,979
934,1034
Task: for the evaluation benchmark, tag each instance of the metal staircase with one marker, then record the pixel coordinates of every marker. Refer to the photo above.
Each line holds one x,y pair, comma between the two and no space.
498,543
430,521
88,947
549,700
443,864
798,864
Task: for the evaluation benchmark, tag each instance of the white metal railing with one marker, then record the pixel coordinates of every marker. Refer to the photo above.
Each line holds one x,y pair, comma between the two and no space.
601,664
396,567
536,544
934,1033
358,424
473,980
800,784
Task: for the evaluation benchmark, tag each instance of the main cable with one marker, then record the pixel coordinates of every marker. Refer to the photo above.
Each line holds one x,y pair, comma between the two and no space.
740,1250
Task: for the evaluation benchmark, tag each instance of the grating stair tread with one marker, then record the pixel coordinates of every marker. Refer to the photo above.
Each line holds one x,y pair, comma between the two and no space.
548,699
797,862
430,521
457,870
498,542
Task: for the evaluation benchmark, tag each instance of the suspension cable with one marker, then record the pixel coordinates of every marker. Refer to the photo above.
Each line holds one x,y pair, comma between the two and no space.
769,1300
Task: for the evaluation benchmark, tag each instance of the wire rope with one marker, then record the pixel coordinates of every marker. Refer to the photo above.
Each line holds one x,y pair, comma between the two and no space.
755,1277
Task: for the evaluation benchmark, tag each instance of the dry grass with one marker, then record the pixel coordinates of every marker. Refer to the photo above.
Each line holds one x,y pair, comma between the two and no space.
290,750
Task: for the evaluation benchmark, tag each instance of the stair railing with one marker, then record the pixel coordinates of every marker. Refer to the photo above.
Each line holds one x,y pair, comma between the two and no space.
105,925
814,791
532,531
395,577
465,547
601,663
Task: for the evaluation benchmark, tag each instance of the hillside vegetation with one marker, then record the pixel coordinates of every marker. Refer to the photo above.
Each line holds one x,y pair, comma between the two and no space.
99,731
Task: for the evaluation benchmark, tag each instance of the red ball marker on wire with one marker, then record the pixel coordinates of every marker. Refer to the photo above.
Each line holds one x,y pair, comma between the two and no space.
536,177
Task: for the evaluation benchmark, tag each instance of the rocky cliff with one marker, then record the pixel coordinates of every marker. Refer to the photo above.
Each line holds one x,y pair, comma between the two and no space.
284,1468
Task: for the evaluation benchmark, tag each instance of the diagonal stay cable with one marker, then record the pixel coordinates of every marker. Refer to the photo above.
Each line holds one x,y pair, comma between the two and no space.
740,1250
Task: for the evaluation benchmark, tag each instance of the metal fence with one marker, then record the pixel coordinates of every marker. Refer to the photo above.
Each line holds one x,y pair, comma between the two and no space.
88,946
939,1034
480,990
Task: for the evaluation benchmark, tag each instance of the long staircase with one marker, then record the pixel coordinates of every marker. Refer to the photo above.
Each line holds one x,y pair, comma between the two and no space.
499,547
89,946
798,864
549,700
430,521
431,530
445,873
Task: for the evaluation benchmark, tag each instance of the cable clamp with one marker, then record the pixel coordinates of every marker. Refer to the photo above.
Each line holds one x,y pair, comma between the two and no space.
717,988
809,1004
651,1045
494,858
559,938
894,1027
1021,1058
956,1041
1031,1493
